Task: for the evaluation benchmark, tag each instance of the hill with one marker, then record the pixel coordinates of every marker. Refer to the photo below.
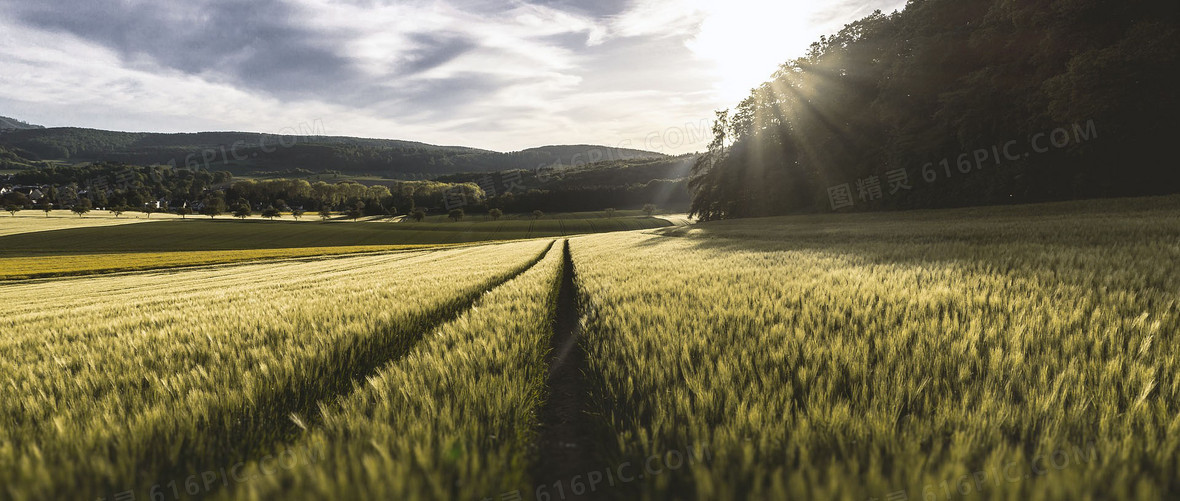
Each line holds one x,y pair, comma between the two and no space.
7,124
245,153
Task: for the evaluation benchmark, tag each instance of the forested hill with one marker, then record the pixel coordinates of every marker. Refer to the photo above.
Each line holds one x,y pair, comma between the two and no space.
7,124
957,102
248,153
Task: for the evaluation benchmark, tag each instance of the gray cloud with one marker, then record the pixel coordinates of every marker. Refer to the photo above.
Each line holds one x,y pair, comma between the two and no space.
594,8
432,50
255,43
436,99
490,73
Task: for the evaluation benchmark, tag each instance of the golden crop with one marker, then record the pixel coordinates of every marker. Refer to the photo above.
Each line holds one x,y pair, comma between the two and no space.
86,264
128,380
928,355
453,419
1003,353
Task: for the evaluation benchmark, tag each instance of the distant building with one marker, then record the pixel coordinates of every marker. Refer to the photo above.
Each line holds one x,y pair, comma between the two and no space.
34,193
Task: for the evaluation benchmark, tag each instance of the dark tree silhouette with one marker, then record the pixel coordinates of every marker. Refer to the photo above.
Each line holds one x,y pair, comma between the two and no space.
243,211
952,103
82,207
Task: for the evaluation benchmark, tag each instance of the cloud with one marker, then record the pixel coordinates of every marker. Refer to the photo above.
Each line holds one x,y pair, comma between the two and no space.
252,43
495,74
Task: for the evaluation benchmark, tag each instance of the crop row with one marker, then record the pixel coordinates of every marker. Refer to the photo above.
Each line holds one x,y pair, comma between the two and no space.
141,377
838,362
455,418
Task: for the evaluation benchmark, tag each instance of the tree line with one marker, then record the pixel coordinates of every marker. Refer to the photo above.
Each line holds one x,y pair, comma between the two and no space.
954,103
120,187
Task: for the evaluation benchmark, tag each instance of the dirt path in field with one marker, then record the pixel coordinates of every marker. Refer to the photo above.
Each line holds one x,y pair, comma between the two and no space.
565,445
270,425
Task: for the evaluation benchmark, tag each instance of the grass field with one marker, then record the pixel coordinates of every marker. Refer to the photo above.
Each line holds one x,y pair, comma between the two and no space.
88,264
1006,353
999,353
226,234
60,246
29,221
137,350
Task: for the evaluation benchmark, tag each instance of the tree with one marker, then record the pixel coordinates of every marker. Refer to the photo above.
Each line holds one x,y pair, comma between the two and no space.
354,213
374,208
537,214
183,212
242,211
12,209
296,213
325,213
214,206
495,213
14,198
211,210
46,206
98,199
82,207
455,215
418,215
610,212
649,209
271,213
118,210
148,209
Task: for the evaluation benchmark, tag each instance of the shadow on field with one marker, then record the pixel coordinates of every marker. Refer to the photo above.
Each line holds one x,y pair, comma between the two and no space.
1090,248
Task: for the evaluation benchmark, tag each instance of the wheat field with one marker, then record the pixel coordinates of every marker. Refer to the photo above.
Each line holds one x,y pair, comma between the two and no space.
931,356
128,380
1002,353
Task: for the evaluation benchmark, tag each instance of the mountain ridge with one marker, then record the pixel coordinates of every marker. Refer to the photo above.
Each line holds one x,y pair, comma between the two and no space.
248,152
8,123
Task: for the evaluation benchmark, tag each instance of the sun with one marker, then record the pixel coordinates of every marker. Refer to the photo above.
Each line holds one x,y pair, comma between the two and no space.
747,40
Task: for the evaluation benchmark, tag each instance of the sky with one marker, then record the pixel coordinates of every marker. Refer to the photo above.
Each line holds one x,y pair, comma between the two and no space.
501,75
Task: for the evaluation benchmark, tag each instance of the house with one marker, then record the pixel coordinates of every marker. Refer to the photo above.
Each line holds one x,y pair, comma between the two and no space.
34,193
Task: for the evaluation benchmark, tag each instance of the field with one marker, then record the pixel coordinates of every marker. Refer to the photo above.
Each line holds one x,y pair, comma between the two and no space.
1006,353
997,353
28,221
102,375
32,247
12,268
